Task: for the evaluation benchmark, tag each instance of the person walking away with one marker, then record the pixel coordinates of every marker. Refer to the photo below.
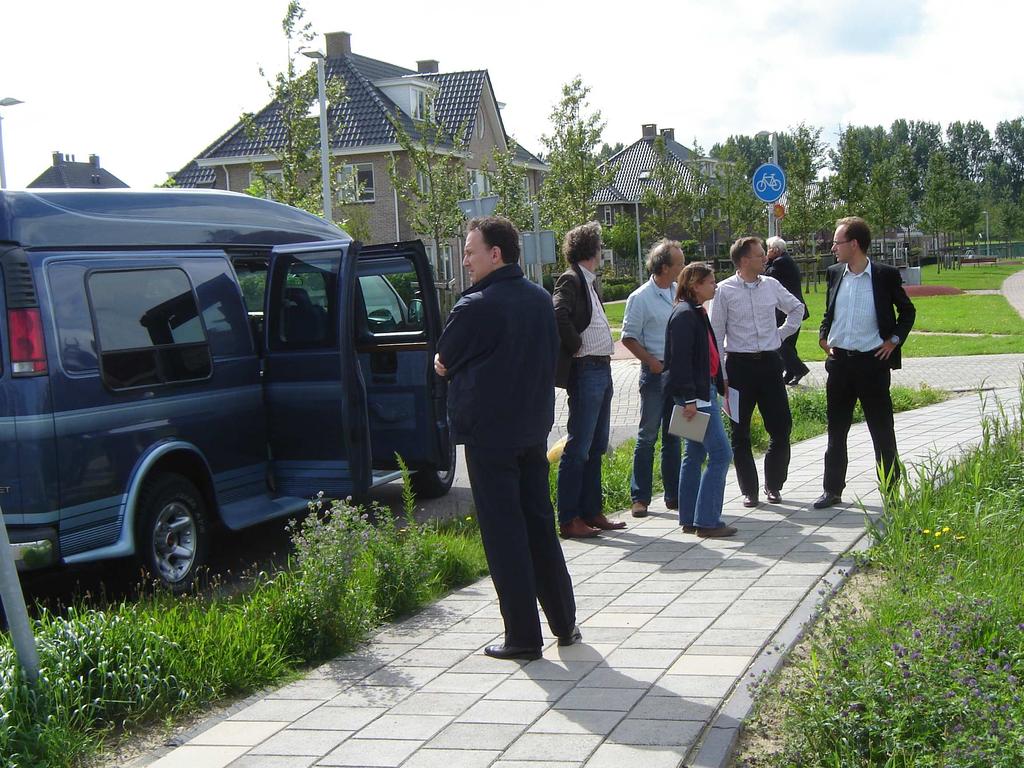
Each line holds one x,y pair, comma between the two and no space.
783,268
584,370
643,334
694,381
498,350
867,319
743,316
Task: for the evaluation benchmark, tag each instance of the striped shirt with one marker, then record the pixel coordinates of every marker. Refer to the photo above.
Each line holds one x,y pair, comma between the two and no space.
596,338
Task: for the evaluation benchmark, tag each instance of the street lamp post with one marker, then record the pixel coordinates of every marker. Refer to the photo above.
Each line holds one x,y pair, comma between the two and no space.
988,243
773,224
325,158
7,101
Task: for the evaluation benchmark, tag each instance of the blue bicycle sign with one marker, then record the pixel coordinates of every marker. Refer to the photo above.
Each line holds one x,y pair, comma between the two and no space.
769,182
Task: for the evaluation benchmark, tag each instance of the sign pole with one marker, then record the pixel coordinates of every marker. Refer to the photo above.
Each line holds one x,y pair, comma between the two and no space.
14,608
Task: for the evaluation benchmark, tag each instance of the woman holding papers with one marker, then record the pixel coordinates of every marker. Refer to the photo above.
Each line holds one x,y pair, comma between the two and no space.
694,382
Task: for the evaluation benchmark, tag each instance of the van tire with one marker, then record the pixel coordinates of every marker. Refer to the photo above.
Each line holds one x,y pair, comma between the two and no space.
432,483
172,535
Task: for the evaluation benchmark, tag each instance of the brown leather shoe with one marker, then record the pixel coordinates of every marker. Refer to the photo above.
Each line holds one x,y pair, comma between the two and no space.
689,529
602,522
750,501
719,532
577,529
673,504
639,509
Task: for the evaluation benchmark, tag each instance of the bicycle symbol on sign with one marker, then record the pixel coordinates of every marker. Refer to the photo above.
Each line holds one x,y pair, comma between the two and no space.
769,181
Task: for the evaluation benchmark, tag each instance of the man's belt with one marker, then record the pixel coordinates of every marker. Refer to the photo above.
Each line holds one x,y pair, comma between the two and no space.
593,359
840,352
753,355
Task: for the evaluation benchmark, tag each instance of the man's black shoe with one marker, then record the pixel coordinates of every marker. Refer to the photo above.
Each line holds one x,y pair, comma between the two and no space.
792,381
750,501
512,652
572,638
827,500
774,497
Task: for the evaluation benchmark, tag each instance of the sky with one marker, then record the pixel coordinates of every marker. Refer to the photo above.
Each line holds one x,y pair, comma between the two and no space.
148,85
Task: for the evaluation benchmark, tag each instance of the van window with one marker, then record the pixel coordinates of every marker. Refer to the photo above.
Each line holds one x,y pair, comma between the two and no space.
307,298
148,328
391,302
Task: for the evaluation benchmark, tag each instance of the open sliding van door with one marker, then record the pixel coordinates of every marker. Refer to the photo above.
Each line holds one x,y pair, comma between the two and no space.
397,324
316,400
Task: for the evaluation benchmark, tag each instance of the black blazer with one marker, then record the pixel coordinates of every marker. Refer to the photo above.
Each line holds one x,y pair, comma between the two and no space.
785,270
893,308
499,345
687,356
572,314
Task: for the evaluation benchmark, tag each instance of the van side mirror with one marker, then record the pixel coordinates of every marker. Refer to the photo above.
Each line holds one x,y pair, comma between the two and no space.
416,312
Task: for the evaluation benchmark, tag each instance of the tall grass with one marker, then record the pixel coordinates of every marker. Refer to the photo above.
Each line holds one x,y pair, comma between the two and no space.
927,672
133,662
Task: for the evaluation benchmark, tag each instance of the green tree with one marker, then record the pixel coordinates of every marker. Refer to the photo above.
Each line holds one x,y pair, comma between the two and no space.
430,178
938,205
970,149
707,197
508,182
887,204
808,210
669,198
574,176
741,212
296,147
621,238
849,182
608,151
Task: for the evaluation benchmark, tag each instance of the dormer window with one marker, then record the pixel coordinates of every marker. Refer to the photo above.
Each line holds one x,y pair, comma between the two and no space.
420,107
411,94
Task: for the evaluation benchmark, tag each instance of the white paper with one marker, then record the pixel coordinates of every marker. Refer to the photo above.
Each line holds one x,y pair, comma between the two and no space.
732,404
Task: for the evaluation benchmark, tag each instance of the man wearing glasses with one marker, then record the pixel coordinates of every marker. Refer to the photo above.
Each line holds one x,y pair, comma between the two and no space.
868,317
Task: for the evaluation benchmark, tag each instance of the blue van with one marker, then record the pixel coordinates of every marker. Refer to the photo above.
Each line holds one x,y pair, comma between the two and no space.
172,361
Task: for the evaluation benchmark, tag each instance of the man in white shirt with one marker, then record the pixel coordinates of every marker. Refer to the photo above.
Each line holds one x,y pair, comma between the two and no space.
643,334
584,369
743,318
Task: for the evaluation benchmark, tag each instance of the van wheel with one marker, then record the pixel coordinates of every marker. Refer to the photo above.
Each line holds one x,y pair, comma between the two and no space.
172,535
432,483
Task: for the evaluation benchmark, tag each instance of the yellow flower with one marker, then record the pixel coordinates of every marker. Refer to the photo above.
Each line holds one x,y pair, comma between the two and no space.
926,531
945,529
936,547
937,534
959,538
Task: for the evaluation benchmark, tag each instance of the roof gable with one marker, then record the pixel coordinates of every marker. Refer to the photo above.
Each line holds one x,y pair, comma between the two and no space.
634,164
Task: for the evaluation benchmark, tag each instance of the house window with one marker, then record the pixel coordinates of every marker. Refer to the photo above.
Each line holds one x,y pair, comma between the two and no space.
266,177
357,183
526,188
479,183
607,215
444,268
480,125
148,328
423,183
420,106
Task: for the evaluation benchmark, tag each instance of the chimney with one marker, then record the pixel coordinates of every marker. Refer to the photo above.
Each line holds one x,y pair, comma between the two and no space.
338,44
650,130
94,161
427,66
58,158
668,134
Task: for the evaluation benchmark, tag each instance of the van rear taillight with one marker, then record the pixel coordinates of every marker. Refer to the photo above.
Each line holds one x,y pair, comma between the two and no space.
28,353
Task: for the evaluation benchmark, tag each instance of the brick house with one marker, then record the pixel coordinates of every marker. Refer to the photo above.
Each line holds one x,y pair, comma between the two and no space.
374,91
67,173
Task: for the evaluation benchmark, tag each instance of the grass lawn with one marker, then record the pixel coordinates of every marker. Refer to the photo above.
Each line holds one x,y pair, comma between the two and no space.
971,278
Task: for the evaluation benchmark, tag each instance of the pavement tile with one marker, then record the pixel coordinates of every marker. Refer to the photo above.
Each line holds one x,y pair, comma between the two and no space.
292,742
724,637
657,733
397,673
237,733
585,721
310,688
610,618
422,703
584,651
385,753
501,711
684,608
195,756
530,690
655,658
678,624
469,641
659,640
371,696
285,710
451,758
418,727
451,682
701,686
329,718
555,669
696,664
477,736
622,755
652,707
622,677
272,761
536,764
608,699
433,657
553,746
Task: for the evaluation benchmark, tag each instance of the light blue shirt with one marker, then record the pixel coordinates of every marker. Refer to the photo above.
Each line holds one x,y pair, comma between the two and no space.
854,322
646,318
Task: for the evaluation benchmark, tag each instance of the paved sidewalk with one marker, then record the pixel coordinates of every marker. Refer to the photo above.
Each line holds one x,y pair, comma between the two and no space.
671,626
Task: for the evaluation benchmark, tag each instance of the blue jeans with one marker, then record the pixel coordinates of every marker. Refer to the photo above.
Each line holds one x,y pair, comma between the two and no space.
701,494
655,415
579,471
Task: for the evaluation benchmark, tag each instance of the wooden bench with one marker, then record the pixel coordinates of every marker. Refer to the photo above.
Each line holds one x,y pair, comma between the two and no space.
977,259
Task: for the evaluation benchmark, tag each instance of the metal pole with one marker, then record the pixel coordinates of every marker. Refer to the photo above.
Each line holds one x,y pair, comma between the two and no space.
988,243
3,172
774,228
325,158
14,608
538,270
639,256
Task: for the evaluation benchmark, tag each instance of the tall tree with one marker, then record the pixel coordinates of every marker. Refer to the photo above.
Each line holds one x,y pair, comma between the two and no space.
1009,152
742,212
430,178
970,149
609,150
938,205
508,182
296,147
887,203
669,198
808,210
574,177
849,182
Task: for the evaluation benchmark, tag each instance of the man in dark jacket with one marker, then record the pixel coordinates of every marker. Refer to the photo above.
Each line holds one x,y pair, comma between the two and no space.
868,317
498,350
782,267
584,369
